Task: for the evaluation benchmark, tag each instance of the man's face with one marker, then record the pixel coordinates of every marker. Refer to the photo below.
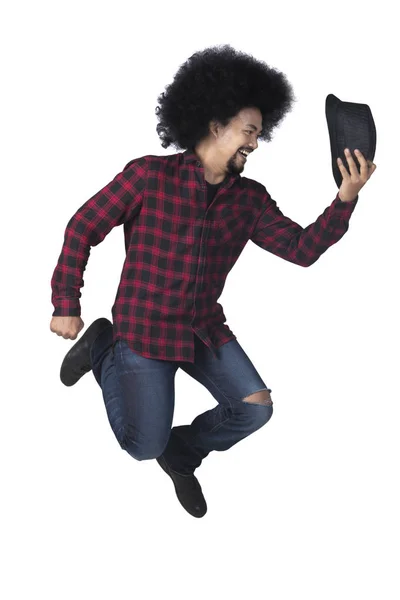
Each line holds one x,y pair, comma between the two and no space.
240,134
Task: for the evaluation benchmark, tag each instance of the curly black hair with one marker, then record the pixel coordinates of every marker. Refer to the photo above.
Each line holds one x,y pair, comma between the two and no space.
216,84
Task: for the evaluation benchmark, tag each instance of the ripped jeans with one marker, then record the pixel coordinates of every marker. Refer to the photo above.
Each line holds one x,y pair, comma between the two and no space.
139,396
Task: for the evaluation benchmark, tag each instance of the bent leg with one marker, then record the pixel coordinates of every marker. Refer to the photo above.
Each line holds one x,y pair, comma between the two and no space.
244,406
139,396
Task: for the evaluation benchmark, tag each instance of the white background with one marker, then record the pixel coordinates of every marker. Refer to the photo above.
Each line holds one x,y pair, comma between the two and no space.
307,507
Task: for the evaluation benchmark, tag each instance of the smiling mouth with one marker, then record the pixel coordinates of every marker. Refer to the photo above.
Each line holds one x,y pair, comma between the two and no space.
243,155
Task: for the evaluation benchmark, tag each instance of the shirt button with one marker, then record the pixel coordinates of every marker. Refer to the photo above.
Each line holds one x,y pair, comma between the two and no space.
198,164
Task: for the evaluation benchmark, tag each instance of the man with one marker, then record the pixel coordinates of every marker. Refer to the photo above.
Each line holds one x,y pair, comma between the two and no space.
187,218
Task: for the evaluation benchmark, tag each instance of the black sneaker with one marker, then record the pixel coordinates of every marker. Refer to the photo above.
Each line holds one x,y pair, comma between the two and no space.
77,361
187,489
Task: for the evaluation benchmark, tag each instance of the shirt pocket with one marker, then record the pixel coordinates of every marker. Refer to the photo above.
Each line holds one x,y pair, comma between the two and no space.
232,225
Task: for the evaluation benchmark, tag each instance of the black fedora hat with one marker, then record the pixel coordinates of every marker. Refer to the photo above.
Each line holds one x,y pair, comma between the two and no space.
352,126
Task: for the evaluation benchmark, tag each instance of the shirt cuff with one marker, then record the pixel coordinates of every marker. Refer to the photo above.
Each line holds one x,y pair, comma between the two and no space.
344,208
67,307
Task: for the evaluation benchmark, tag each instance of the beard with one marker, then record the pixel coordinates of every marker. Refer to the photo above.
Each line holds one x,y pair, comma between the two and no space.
235,165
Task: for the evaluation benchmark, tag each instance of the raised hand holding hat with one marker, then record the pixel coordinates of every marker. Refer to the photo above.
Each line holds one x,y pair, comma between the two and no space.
355,180
351,129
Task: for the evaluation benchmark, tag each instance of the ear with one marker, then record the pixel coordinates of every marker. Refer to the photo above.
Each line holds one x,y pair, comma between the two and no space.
215,128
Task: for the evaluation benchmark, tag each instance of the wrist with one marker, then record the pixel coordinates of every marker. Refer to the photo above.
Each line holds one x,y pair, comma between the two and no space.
344,199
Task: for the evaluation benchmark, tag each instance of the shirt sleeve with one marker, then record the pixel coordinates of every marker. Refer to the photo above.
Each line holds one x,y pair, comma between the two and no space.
303,246
117,202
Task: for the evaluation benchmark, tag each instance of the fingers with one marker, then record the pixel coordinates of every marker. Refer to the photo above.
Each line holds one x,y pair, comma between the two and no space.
352,164
372,167
342,168
67,327
68,335
366,167
363,163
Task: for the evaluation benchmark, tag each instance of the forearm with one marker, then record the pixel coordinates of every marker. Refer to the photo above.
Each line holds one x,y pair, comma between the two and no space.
316,238
67,279
302,246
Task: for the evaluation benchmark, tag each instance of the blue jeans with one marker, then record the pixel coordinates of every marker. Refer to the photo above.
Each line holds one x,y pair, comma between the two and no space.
139,396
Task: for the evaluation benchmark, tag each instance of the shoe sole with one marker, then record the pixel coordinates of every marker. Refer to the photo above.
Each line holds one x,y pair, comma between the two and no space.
93,331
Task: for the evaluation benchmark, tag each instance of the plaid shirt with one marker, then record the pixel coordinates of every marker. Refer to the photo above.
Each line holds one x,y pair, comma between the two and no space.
180,249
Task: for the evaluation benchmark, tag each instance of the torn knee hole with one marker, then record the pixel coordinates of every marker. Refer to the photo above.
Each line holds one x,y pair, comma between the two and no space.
262,397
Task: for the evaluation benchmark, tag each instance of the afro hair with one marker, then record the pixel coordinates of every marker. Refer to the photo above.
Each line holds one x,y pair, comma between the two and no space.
215,85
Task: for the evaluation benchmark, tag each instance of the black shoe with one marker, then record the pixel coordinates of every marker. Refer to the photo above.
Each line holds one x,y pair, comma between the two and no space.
187,489
77,361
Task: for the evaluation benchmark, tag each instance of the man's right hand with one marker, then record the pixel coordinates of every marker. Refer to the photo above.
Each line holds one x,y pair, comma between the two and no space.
67,327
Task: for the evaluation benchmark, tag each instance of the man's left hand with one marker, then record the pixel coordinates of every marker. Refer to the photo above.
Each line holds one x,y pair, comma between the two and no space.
354,181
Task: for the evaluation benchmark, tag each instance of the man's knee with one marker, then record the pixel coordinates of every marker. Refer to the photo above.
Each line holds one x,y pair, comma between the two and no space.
141,450
261,397
259,408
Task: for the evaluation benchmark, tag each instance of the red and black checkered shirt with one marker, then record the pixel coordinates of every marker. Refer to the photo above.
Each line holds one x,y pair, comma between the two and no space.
180,249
